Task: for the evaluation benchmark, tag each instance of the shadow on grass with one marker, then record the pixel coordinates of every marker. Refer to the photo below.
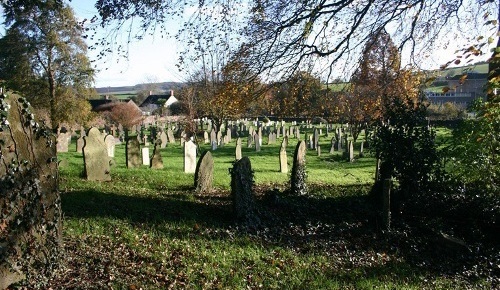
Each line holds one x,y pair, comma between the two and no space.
146,209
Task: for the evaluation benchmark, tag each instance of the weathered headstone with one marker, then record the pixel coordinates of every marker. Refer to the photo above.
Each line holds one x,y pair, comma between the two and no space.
30,203
242,192
95,157
332,146
63,140
351,151
156,161
170,135
283,160
132,153
79,144
189,157
206,137
315,138
256,141
109,141
204,175
318,149
298,177
361,151
163,139
238,149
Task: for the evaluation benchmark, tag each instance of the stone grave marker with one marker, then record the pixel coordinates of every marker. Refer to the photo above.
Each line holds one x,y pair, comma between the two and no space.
95,157
189,157
332,147
242,192
63,140
238,149
79,144
298,176
361,151
206,137
156,161
163,139
145,156
109,141
256,141
351,151
170,136
30,203
283,160
204,175
132,153
315,138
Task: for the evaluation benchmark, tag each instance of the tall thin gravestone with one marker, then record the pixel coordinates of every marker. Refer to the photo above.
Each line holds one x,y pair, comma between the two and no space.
298,178
189,157
109,141
238,149
283,159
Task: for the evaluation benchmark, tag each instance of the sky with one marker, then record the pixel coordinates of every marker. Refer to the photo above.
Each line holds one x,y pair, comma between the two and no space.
151,60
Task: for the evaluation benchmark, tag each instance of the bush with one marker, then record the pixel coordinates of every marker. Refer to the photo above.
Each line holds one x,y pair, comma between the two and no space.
318,120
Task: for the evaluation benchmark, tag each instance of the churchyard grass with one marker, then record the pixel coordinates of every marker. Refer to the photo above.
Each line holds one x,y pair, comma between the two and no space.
148,229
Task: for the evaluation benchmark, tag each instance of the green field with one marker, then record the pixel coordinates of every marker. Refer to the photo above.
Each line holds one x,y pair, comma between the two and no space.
148,229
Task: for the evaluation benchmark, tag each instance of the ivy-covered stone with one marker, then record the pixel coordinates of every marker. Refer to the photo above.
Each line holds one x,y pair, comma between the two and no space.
30,215
242,192
298,179
204,175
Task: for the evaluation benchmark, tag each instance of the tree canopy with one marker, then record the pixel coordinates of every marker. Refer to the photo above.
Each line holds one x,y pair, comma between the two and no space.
43,57
282,36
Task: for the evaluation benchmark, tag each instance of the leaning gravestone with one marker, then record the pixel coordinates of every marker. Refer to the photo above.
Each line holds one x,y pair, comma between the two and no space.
332,146
257,142
133,153
189,157
30,215
238,149
95,157
298,178
242,192
156,161
204,175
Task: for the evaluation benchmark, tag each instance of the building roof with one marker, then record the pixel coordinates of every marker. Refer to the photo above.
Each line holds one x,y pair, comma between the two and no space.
154,100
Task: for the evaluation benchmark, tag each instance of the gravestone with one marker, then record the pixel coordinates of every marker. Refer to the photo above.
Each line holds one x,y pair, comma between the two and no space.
156,161
318,149
242,192
95,157
132,153
250,141
256,141
63,140
283,160
332,147
228,136
170,136
163,139
79,144
213,137
297,133
315,138
206,137
30,203
298,177
145,156
204,175
189,157
219,138
351,151
238,149
109,141
361,151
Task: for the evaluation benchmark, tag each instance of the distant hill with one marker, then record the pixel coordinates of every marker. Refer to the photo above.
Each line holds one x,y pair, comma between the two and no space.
165,86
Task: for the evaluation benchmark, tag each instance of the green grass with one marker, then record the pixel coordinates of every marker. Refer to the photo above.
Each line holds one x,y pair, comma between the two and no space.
148,229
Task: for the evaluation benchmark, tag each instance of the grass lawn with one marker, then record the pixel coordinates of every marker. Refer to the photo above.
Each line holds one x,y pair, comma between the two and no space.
148,229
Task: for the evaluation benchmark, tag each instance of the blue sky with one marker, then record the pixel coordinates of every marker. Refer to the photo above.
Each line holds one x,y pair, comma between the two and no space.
150,60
